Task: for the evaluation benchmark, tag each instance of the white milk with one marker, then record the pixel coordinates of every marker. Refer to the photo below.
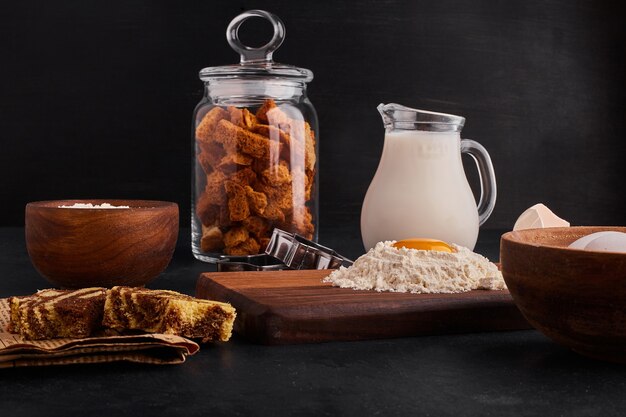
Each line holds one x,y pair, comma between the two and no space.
420,191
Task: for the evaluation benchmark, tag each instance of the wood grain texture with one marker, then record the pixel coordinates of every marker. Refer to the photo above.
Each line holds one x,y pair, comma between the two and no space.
575,297
285,307
76,248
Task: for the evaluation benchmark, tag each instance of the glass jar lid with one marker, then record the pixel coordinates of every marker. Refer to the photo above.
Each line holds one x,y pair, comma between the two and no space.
256,62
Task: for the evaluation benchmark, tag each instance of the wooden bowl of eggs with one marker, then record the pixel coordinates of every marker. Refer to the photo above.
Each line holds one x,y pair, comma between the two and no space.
574,295
101,243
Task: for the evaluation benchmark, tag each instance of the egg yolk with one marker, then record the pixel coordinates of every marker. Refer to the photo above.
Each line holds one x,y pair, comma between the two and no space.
424,244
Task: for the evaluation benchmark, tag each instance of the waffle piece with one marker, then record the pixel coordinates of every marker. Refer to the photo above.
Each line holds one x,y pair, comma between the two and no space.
204,131
302,222
169,312
277,117
256,201
277,175
57,313
302,185
242,118
235,236
237,201
274,213
249,247
215,187
309,147
232,161
272,133
257,226
207,212
244,176
212,238
211,156
281,196
261,113
238,139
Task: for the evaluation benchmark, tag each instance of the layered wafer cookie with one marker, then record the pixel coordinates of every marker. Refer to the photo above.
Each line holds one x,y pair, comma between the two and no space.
57,313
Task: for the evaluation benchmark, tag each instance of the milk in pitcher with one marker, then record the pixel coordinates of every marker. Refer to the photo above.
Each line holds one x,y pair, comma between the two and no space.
420,190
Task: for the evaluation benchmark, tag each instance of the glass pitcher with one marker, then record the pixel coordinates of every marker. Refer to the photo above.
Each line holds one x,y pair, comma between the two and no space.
420,189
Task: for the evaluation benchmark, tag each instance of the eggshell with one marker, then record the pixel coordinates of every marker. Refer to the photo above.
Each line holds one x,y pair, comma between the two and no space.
537,217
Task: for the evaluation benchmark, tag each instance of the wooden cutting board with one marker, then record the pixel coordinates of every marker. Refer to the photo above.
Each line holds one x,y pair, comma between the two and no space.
286,307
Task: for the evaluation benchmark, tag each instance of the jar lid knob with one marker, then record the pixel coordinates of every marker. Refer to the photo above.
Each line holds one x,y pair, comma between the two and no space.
262,53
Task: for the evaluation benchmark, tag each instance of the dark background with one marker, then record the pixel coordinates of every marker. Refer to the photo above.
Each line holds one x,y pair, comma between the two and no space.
96,98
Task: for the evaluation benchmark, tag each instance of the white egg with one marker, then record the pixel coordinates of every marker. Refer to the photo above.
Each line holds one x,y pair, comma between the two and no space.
585,240
602,241
609,243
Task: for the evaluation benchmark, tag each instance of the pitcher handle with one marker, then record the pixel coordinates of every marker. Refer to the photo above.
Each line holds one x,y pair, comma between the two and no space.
488,189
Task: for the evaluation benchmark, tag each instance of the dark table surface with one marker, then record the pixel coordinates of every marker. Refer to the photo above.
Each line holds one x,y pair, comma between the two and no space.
489,374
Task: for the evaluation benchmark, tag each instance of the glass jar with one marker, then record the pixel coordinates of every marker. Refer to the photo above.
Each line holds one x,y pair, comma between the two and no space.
255,140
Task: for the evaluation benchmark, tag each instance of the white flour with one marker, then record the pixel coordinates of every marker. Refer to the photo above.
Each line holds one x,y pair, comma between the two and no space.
91,206
386,268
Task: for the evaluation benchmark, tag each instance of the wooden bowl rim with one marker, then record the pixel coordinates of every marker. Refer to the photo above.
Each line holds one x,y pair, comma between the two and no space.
134,204
516,237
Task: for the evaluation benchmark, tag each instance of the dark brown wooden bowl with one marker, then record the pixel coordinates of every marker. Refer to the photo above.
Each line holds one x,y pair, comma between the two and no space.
575,297
77,248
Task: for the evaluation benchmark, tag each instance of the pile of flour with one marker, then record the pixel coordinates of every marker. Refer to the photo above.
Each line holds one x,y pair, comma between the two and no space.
387,268
91,206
